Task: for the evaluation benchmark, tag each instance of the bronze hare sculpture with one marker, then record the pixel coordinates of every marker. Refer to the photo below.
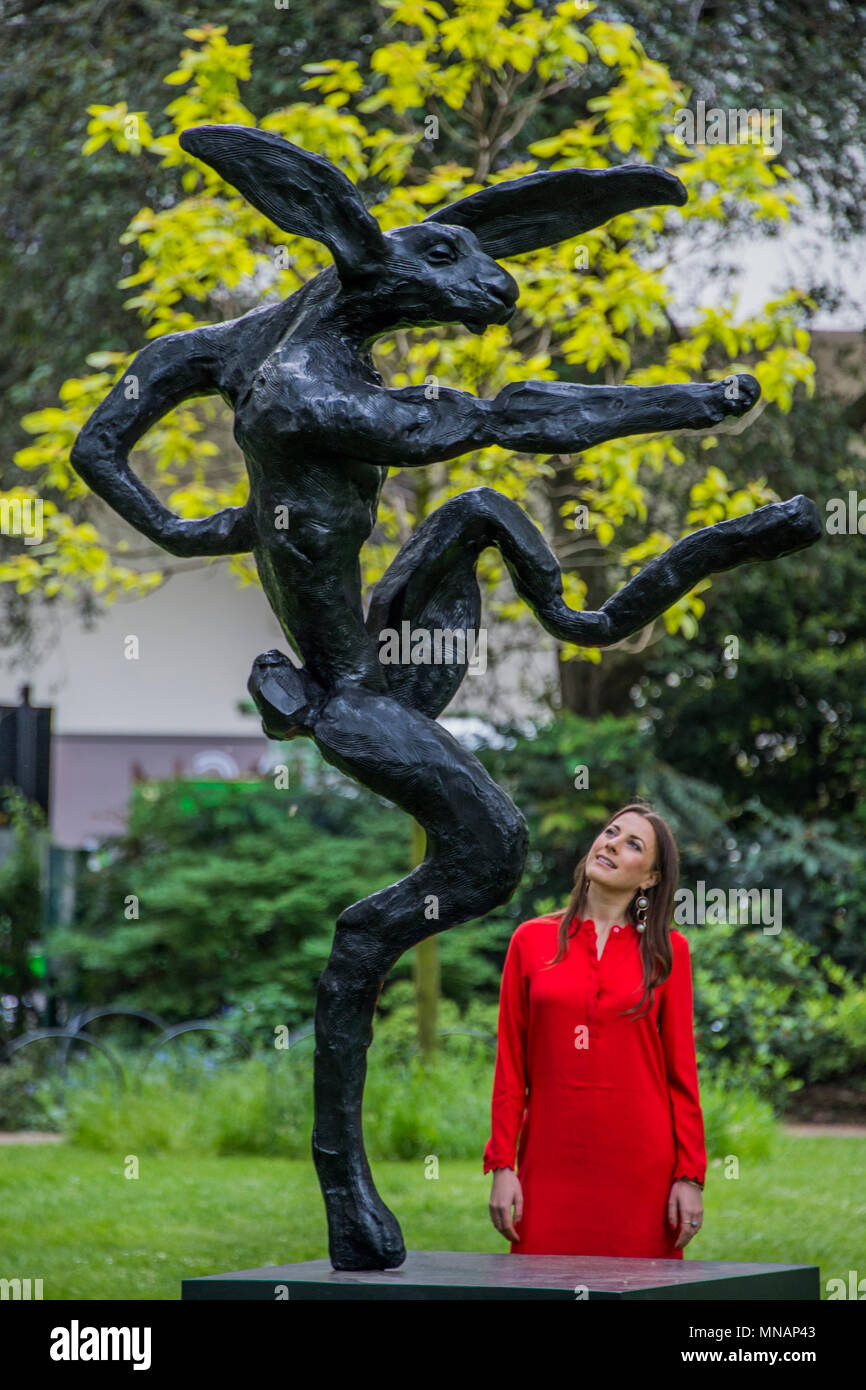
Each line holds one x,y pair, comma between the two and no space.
319,431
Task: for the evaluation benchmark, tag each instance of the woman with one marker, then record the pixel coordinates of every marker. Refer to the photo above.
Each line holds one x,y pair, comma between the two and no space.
596,1067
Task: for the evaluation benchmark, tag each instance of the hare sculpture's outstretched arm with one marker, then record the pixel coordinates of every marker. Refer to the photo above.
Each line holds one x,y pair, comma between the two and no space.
319,430
165,373
408,428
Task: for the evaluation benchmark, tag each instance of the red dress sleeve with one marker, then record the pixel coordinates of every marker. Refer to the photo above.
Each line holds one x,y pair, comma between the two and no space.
677,1032
509,1080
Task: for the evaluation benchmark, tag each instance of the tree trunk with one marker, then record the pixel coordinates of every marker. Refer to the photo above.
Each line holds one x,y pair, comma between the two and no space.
426,963
427,972
587,688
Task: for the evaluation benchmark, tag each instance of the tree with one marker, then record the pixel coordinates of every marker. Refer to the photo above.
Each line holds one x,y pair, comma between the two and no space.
805,60
224,894
471,79
56,207
597,309
771,689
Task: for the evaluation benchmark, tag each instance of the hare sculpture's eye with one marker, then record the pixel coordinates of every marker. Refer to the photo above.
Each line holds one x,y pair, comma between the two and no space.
441,254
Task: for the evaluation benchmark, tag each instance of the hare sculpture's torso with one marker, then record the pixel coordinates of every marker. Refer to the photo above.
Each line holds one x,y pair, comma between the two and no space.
285,374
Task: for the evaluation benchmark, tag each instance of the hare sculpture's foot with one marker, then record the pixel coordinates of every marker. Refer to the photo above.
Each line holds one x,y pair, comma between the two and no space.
739,392
286,696
362,1232
730,399
365,1239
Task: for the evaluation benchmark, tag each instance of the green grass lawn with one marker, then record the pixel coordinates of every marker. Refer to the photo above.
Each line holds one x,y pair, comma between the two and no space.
71,1218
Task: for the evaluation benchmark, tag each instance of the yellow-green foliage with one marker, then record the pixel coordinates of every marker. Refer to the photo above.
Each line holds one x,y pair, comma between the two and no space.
587,301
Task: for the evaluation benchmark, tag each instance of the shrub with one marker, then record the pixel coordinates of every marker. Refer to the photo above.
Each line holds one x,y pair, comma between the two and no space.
768,1006
413,1106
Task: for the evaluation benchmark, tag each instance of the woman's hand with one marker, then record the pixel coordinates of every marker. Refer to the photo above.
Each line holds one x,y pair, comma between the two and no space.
506,1191
685,1204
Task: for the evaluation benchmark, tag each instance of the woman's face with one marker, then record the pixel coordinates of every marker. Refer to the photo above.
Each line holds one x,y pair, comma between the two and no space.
623,855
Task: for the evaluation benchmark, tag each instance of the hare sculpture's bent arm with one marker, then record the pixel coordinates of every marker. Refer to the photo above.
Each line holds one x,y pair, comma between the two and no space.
319,431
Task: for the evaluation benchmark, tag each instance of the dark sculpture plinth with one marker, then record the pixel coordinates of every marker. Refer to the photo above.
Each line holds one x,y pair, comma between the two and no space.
443,1274
319,431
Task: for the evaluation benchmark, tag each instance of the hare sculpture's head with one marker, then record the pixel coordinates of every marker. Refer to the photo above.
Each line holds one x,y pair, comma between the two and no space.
444,269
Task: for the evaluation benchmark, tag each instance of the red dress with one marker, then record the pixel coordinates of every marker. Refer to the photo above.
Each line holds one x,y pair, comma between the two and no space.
607,1108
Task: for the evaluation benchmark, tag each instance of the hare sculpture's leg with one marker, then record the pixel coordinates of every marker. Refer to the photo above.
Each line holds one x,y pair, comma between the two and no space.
476,837
431,581
476,847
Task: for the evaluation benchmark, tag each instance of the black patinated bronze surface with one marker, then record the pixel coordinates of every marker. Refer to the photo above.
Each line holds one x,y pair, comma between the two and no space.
319,431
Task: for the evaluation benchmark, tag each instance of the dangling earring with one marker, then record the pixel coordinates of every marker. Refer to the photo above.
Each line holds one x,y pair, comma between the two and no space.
641,905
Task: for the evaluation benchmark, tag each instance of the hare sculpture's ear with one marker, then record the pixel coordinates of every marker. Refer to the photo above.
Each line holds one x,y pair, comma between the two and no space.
542,209
300,192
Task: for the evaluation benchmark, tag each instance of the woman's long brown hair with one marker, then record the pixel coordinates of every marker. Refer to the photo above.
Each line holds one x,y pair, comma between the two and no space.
655,942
